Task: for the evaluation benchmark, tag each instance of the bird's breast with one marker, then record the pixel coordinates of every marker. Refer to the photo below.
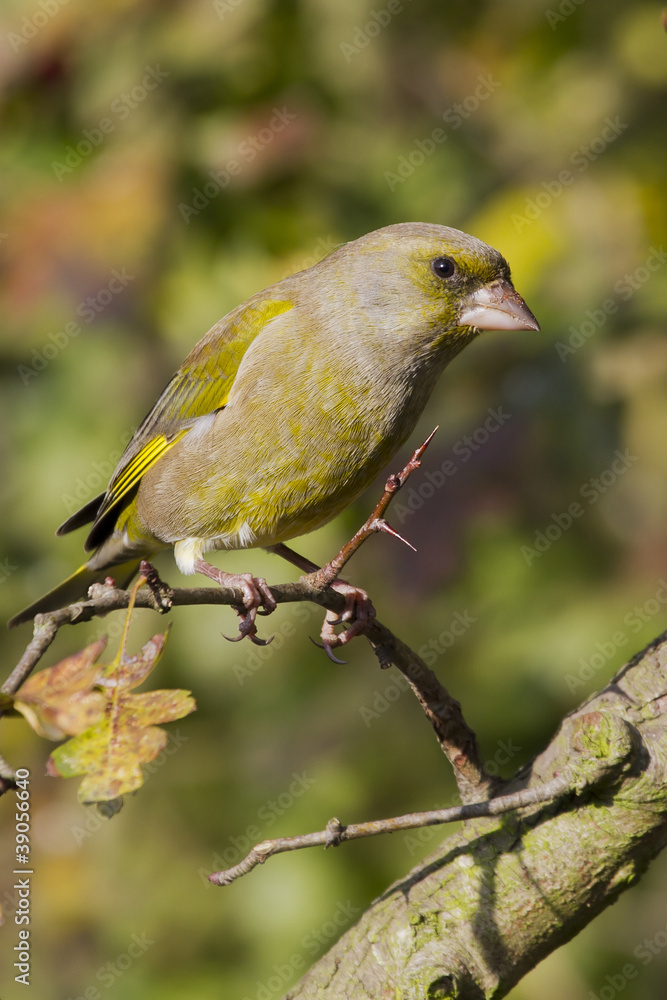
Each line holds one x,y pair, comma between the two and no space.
294,446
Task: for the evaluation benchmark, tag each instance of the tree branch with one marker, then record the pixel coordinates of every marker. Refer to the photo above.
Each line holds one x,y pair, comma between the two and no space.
529,869
456,738
494,899
336,833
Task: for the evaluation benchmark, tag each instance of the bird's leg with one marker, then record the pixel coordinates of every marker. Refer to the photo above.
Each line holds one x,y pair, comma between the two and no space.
285,552
256,595
358,612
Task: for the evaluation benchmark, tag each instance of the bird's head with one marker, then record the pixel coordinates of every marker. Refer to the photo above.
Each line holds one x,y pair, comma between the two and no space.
444,282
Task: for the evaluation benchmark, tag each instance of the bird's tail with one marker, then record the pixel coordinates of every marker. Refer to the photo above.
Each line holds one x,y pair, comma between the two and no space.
75,587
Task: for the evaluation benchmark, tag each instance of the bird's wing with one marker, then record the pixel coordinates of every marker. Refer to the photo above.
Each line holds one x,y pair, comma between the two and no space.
200,387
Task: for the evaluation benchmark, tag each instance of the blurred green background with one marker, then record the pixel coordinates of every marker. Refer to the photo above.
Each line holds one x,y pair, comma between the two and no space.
125,234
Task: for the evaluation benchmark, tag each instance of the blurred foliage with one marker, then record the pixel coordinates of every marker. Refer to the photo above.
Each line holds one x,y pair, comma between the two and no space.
539,131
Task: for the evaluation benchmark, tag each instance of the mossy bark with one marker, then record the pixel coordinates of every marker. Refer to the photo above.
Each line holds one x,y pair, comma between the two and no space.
504,892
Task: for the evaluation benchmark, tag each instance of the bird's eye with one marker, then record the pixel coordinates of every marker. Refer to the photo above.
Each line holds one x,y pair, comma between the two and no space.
443,267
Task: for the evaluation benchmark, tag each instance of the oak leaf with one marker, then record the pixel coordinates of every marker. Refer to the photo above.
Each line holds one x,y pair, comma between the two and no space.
64,700
111,751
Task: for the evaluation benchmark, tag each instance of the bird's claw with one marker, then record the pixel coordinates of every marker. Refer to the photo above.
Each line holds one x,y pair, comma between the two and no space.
246,633
256,599
328,651
358,615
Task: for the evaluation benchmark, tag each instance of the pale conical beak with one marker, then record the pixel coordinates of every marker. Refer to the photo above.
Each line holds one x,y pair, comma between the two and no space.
497,307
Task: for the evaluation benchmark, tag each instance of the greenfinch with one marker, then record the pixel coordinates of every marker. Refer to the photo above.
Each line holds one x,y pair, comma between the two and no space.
291,405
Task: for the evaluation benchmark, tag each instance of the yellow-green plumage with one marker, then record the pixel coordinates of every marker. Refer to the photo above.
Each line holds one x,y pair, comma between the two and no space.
291,405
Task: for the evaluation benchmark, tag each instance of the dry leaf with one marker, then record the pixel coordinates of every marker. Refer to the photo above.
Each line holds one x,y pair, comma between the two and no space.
111,752
62,700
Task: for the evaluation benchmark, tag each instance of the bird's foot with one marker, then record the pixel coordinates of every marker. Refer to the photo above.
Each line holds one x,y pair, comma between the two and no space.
357,615
257,599
161,591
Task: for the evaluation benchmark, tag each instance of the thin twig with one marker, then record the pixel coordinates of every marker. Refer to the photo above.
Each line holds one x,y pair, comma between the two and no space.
335,833
375,522
45,630
456,738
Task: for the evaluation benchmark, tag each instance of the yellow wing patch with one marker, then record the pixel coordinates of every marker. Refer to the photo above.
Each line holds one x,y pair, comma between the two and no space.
138,467
200,387
126,483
